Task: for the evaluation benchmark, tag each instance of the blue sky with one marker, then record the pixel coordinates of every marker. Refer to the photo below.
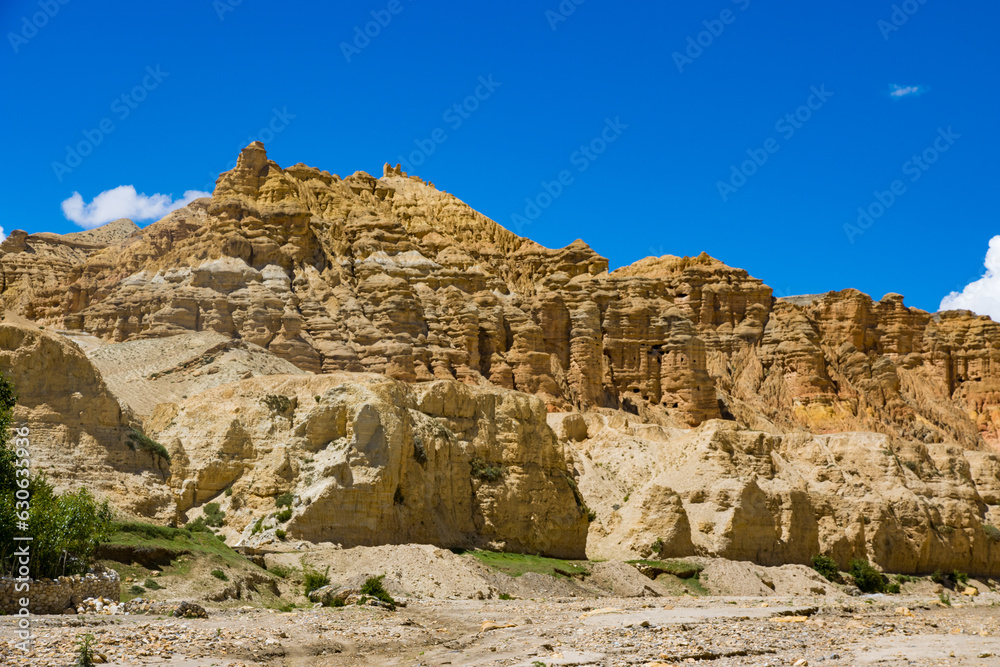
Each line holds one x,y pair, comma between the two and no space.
214,75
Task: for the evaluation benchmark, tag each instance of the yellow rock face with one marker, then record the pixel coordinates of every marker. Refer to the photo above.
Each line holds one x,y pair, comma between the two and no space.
79,431
372,461
828,423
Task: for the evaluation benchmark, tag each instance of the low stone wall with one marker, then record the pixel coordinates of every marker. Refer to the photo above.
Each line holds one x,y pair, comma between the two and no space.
54,596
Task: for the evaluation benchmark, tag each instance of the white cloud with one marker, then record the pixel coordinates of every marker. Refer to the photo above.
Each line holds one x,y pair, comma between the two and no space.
899,92
982,296
123,202
3,237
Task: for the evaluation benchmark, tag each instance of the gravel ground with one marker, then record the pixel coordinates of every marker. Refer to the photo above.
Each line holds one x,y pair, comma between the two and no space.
722,632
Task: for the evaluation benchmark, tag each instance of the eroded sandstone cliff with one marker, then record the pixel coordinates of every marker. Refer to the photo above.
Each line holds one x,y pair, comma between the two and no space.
828,423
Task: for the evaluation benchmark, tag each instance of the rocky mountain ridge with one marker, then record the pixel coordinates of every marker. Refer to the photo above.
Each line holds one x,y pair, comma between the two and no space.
347,277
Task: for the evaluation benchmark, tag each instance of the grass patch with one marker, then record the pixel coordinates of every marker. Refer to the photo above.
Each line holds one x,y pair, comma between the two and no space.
220,575
282,571
517,564
190,554
176,539
992,532
137,440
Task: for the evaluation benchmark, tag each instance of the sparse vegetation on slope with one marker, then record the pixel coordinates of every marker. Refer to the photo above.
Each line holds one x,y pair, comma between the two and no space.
181,561
517,564
137,440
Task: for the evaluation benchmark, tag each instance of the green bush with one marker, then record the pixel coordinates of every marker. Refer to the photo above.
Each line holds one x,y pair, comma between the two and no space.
866,577
284,515
937,577
229,491
373,587
137,440
152,585
197,526
312,579
284,500
220,575
960,577
85,651
136,589
484,471
827,567
280,534
214,516
257,526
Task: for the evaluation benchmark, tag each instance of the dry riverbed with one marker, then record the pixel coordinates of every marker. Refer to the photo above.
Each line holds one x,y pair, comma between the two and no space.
884,630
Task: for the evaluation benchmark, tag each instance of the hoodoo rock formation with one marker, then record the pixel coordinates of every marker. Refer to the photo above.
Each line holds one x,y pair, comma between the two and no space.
405,321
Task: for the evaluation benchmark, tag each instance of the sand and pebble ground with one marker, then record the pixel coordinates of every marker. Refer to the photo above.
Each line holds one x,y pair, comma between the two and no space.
722,632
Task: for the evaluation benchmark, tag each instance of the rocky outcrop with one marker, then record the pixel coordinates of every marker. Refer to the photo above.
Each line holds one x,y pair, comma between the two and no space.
370,460
79,433
388,276
724,491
